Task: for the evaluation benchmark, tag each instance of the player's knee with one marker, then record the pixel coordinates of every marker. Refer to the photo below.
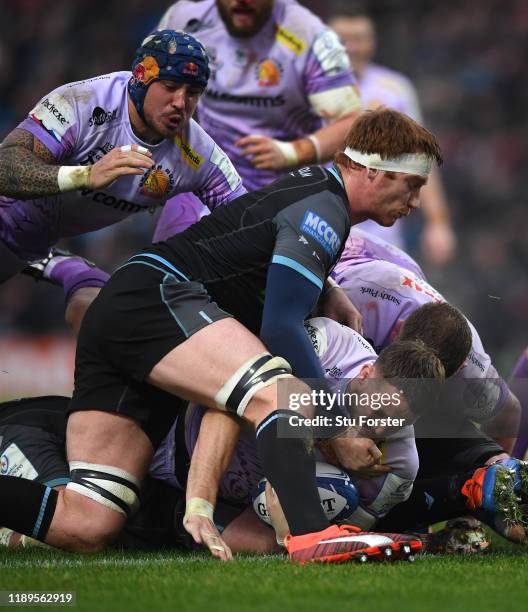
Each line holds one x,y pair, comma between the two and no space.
254,383
78,305
84,525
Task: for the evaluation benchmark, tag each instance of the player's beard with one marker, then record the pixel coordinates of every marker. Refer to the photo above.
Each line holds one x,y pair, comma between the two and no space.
260,18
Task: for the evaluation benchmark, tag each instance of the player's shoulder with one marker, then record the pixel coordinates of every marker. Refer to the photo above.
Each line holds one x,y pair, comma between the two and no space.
189,15
329,331
297,26
390,79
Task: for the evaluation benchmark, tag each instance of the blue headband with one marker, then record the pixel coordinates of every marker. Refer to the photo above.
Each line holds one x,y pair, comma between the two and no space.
167,54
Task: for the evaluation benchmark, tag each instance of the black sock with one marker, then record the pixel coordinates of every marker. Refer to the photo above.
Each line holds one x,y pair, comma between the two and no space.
27,506
432,500
289,466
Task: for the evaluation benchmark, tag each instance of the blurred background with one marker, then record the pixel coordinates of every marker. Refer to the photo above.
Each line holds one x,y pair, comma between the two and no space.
468,62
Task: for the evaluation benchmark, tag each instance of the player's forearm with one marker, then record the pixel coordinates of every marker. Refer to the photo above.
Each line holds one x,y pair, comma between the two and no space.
323,144
27,168
212,454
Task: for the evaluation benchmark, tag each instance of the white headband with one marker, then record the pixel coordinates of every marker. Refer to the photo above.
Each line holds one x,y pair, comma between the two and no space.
412,163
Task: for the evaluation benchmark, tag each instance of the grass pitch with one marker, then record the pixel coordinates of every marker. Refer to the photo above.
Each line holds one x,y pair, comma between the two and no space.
117,581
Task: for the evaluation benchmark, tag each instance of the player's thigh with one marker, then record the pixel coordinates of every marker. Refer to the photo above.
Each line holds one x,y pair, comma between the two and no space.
108,438
199,367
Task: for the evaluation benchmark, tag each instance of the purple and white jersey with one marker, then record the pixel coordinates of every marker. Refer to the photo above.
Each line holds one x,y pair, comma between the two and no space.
386,294
266,84
362,246
381,86
81,122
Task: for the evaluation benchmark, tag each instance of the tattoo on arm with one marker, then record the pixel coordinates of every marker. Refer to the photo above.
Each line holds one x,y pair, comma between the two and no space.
27,168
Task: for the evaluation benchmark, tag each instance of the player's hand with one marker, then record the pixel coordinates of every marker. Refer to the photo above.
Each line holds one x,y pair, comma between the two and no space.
277,518
360,456
121,161
205,533
266,153
336,305
438,243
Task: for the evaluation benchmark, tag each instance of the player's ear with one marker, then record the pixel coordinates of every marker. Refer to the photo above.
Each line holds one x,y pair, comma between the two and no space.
366,371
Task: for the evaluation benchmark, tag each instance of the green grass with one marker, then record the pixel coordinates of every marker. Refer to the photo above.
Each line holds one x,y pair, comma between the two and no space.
116,581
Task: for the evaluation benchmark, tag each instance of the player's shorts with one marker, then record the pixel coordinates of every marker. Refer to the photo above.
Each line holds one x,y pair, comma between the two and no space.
32,441
144,311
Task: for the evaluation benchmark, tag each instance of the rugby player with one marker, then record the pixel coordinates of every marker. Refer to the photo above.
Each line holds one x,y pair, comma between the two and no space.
387,285
381,86
155,328
93,152
281,92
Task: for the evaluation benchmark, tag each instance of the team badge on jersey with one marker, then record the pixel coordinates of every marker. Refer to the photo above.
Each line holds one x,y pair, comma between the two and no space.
268,73
157,182
321,231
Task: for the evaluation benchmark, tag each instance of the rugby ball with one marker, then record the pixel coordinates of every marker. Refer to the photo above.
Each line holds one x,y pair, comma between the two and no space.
338,494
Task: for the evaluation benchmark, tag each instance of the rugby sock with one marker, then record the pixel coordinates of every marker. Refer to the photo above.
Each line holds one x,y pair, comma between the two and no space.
289,466
27,506
519,386
73,273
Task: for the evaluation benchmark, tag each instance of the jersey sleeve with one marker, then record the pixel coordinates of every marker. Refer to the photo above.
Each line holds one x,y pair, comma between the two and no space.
219,182
327,65
328,80
55,122
309,236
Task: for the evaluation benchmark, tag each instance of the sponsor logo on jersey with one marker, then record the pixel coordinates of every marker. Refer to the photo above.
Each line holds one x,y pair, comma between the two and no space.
146,71
321,231
100,116
312,334
291,41
13,462
157,182
330,53
116,203
258,101
380,295
473,358
223,163
189,155
54,114
268,73
305,172
420,287
96,154
334,372
4,465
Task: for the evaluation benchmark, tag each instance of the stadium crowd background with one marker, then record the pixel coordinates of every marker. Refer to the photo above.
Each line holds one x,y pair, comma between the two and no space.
468,62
